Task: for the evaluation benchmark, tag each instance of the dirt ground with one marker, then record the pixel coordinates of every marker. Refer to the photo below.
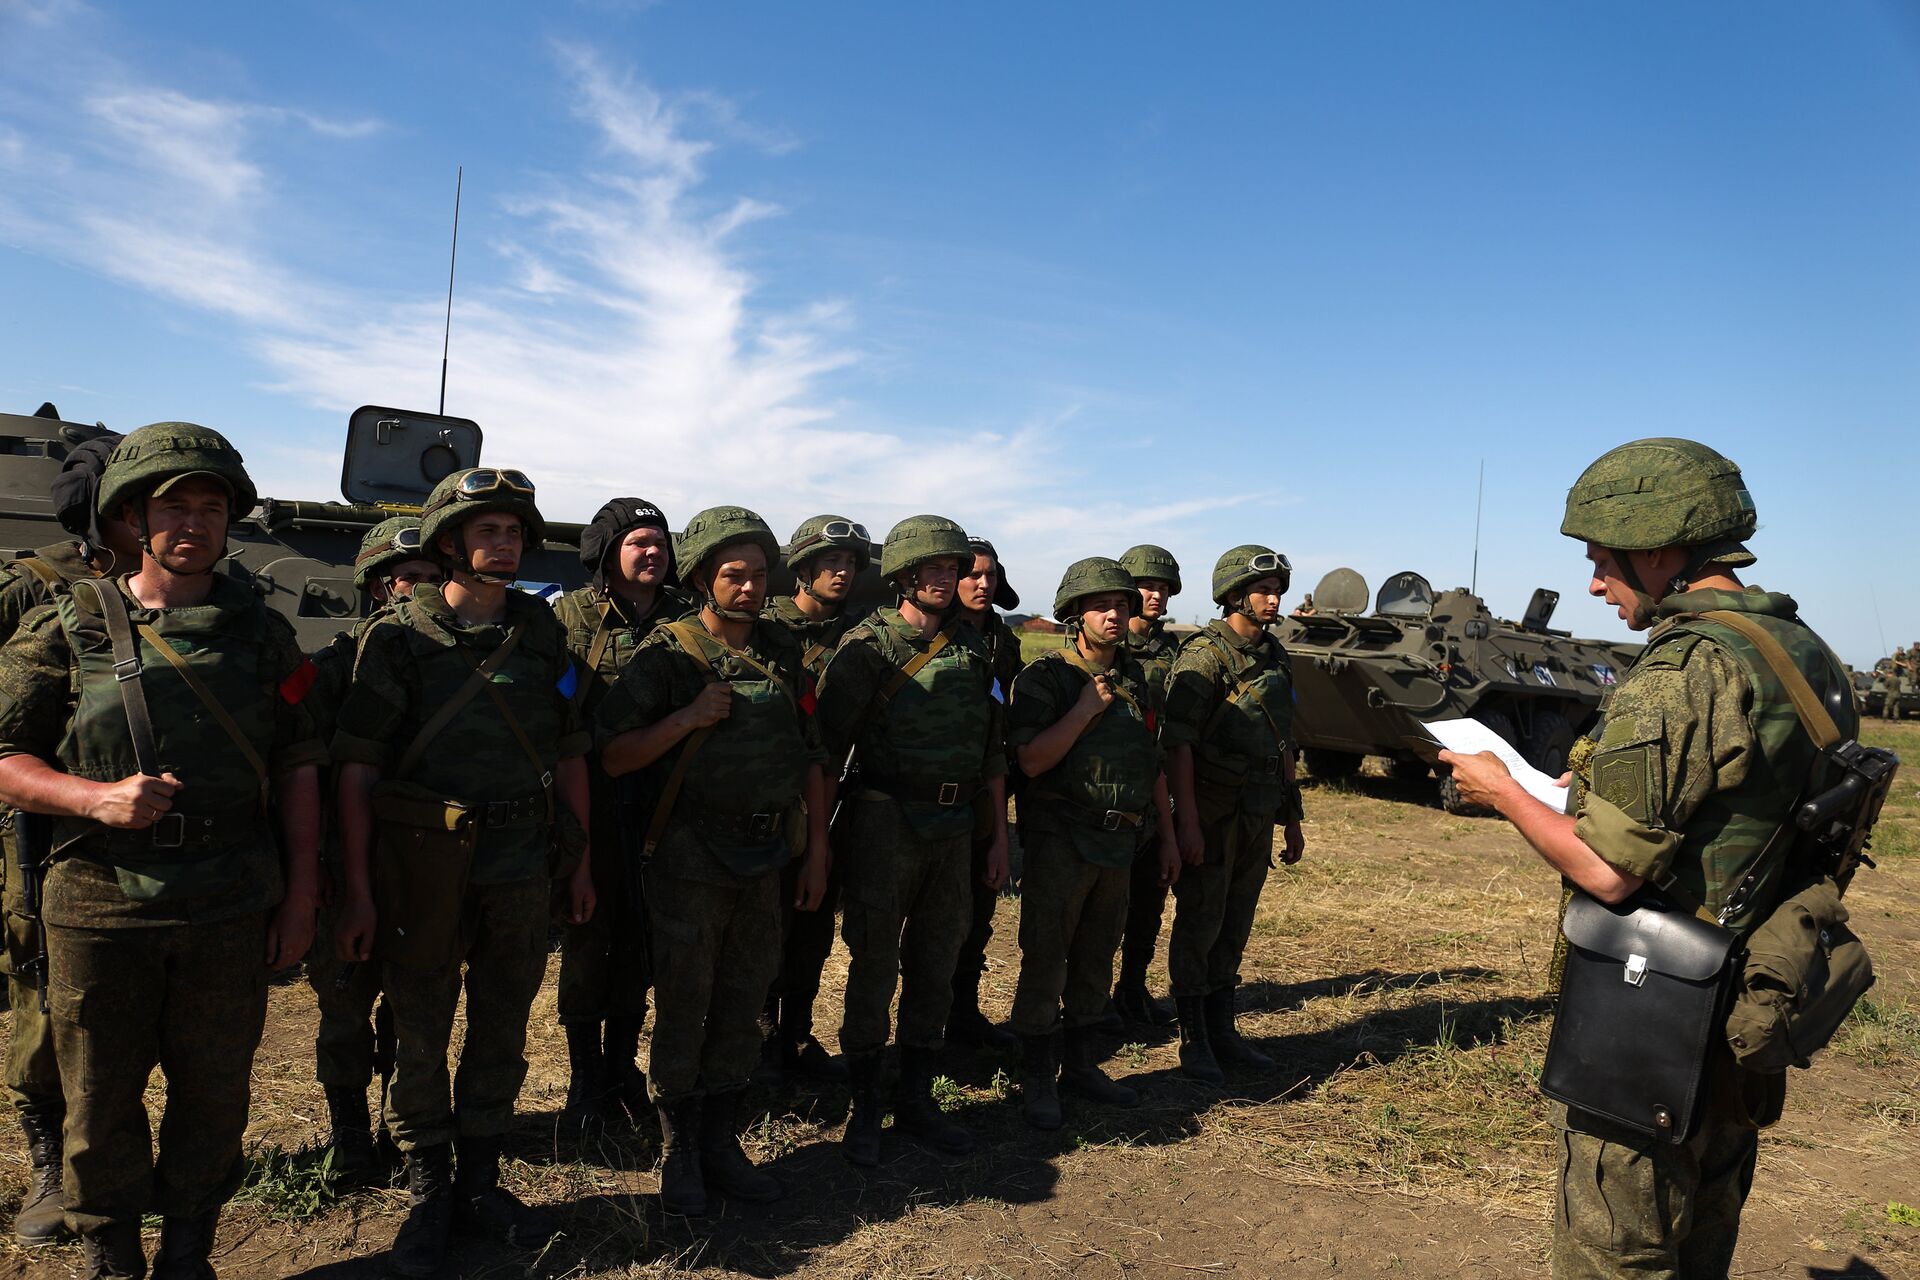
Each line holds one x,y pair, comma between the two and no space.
1395,975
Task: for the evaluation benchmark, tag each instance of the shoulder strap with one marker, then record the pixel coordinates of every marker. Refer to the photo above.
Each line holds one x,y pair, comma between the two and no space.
1072,656
40,569
911,667
1806,703
602,637
540,769
126,671
1241,693
482,674
813,654
212,704
688,634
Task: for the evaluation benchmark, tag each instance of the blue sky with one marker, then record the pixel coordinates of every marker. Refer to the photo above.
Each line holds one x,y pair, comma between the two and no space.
1078,275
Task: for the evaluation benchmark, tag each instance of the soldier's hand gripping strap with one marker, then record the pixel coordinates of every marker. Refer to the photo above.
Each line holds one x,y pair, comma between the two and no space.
1072,657
126,670
482,674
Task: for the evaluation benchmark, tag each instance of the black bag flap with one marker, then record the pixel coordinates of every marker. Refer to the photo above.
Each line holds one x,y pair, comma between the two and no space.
1669,941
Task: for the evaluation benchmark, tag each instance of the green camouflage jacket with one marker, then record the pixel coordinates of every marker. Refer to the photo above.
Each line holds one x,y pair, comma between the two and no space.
584,610
1231,700
415,659
944,726
23,590
1111,767
818,637
249,660
1155,651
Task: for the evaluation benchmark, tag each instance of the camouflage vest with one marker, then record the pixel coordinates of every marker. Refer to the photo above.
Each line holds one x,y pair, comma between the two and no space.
818,637
934,730
601,638
741,791
1747,830
1241,746
1110,770
1155,652
223,641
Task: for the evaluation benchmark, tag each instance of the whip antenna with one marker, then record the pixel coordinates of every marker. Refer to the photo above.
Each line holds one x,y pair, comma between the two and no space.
1877,625
1478,494
446,335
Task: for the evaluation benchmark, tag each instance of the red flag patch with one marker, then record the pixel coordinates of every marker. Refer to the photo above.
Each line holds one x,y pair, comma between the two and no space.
807,700
295,686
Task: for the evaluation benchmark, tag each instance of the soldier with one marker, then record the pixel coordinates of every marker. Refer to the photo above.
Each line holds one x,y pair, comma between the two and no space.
983,588
826,554
604,966
1230,762
469,798
1695,770
1083,728
1156,575
910,692
718,703
33,1076
157,717
388,565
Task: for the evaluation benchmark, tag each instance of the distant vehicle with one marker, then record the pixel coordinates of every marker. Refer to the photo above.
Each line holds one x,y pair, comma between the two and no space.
1361,676
1868,696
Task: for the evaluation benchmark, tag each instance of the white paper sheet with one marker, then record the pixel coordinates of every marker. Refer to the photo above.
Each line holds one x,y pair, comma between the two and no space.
1468,736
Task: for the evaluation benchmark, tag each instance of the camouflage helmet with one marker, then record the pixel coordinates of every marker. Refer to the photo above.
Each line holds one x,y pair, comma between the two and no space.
1091,577
1663,492
477,491
1249,562
918,539
382,547
1149,561
154,458
828,533
716,527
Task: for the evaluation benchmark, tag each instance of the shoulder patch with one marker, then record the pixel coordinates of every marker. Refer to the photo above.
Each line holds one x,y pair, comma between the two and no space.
295,687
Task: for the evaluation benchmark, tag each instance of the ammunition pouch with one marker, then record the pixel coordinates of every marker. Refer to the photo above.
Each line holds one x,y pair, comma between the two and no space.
1643,1005
1803,972
424,851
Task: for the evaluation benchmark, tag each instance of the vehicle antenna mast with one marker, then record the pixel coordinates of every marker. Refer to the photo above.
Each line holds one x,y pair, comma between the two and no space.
446,335
1877,624
1478,494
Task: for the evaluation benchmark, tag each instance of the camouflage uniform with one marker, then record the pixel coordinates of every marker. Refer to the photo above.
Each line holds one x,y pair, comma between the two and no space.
156,960
1146,896
1003,649
411,662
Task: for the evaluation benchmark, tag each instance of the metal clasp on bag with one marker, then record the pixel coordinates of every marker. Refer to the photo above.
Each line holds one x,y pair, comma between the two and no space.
1636,974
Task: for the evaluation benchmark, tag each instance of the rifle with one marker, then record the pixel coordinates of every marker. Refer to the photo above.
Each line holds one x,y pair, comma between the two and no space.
849,777
32,851
383,1053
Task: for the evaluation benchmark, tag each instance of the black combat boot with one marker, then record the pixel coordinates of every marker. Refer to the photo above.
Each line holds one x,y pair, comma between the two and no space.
801,1054
1039,1087
918,1114
1230,1048
1137,1006
186,1244
349,1136
586,1114
113,1252
683,1189
967,1025
861,1143
1082,1073
482,1205
420,1246
43,1214
723,1164
1196,1055
624,1076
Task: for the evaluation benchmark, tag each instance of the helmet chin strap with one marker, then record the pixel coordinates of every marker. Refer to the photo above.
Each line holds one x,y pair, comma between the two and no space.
806,585
939,615
146,548
464,564
1645,603
712,602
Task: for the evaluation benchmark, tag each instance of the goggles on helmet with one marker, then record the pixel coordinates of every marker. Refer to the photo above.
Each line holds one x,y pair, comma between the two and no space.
407,540
491,479
1270,562
835,531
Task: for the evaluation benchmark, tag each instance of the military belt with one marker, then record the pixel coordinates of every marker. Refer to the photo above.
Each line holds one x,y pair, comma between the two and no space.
926,791
523,812
190,831
749,826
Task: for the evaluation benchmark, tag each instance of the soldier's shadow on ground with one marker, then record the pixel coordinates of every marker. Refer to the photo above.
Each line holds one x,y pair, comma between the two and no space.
1855,1268
828,1200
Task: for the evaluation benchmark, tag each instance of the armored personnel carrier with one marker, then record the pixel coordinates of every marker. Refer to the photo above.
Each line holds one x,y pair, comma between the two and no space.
1365,668
298,553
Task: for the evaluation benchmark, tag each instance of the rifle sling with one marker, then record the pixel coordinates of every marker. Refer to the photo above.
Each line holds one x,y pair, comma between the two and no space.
1814,717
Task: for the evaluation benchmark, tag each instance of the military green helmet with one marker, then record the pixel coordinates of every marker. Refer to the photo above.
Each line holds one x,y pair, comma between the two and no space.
1091,577
1663,492
1249,562
1149,561
383,546
718,527
828,533
151,459
476,491
918,539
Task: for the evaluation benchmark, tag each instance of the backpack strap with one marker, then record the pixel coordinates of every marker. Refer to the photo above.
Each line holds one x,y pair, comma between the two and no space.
48,575
540,769
126,670
1239,694
482,674
596,650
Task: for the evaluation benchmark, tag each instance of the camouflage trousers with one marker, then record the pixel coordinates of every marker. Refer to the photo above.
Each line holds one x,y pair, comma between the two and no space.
32,1074
503,933
190,999
716,947
1146,904
1215,903
1628,1206
604,965
1072,913
806,942
343,1045
908,905
972,963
